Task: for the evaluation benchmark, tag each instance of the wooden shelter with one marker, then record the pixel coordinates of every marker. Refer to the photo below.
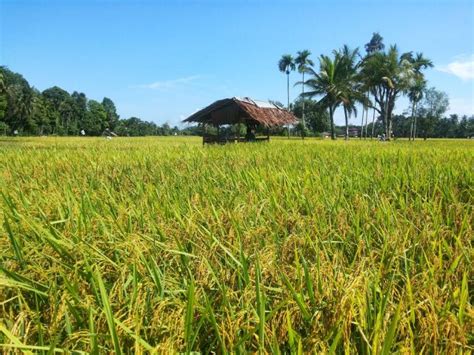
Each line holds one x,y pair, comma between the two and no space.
235,110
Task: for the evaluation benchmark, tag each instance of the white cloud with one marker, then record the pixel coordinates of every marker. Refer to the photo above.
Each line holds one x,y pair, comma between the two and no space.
463,68
168,84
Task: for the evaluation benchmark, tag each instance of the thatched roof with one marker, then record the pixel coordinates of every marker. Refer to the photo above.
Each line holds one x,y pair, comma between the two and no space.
243,110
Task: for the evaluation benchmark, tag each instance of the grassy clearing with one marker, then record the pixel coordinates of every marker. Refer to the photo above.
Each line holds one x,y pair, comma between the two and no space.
159,244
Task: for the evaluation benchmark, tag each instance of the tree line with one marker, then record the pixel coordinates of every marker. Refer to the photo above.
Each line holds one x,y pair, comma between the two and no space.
345,80
348,79
24,110
431,124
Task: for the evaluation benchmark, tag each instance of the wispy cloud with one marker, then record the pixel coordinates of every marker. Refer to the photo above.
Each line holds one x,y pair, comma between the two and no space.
463,68
168,84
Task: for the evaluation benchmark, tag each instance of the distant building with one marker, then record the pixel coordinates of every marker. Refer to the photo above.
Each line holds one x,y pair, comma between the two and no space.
354,132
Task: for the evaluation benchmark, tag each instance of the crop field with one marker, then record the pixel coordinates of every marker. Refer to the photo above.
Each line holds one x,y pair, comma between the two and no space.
162,245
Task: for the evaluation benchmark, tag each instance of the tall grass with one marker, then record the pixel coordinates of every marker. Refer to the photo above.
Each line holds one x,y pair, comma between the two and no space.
160,244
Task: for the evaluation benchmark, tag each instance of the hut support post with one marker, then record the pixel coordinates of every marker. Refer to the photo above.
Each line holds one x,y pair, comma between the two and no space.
204,133
238,131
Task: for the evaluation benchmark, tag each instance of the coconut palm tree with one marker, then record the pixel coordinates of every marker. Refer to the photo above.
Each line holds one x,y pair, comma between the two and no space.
419,62
327,82
416,86
304,62
388,75
415,94
286,65
374,45
351,91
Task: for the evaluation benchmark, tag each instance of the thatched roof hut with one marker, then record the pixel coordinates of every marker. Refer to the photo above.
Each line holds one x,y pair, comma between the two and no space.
243,110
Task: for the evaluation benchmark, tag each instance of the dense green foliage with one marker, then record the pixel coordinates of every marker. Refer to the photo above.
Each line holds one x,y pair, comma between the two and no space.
376,80
26,111
316,116
161,244
430,124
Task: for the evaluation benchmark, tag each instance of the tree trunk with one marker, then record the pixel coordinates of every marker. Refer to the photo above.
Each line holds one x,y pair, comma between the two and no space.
412,120
303,129
391,96
414,126
389,136
373,125
331,117
365,110
288,97
346,137
367,118
366,122
387,125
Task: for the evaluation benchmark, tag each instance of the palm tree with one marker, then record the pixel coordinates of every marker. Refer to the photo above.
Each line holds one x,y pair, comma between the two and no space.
417,86
350,86
327,83
303,62
419,62
373,46
388,75
373,125
415,94
286,65
366,103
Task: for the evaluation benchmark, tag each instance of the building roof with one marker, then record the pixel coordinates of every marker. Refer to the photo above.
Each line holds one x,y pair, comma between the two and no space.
243,109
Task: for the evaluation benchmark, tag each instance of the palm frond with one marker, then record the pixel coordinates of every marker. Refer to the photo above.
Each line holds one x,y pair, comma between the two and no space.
286,63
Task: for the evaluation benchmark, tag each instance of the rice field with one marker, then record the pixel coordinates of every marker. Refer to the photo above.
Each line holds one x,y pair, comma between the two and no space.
161,245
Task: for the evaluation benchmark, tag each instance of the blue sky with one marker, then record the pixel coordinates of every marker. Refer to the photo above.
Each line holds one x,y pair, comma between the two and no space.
163,60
